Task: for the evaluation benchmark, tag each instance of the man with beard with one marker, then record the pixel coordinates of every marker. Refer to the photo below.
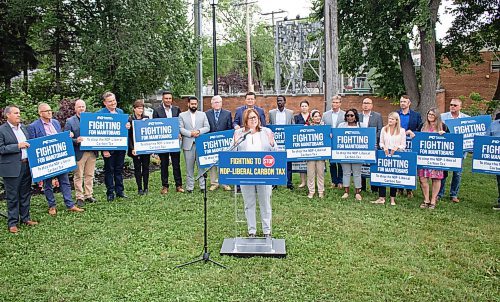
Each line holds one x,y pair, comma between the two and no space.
192,123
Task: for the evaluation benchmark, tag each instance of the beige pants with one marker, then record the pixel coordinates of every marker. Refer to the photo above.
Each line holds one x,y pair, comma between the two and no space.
85,169
316,169
214,176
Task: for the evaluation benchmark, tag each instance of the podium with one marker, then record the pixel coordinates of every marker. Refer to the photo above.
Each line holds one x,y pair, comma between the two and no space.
251,246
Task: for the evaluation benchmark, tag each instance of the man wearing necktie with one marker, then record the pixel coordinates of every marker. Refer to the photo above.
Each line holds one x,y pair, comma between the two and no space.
219,120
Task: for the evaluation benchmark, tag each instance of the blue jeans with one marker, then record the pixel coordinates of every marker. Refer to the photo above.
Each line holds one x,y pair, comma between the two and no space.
65,187
336,173
455,184
289,174
113,173
498,187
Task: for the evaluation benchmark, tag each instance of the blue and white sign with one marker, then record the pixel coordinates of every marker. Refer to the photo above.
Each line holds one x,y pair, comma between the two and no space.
252,168
299,167
486,157
397,171
209,145
354,145
103,131
156,135
279,135
469,127
51,155
440,152
308,143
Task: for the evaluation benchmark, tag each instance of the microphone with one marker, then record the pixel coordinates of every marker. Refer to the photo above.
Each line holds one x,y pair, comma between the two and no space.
244,134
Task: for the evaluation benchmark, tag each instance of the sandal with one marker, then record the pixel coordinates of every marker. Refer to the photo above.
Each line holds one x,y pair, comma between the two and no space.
431,206
358,197
346,195
425,205
378,201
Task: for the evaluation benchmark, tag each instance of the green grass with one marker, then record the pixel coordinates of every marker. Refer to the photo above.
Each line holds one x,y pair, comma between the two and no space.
337,250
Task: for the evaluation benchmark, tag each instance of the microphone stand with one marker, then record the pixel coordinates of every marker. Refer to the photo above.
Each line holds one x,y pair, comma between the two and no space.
205,256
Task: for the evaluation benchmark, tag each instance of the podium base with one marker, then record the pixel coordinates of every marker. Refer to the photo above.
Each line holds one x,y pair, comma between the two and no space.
249,247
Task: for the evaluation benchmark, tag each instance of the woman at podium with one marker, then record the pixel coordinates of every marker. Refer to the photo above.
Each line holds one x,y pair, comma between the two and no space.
254,137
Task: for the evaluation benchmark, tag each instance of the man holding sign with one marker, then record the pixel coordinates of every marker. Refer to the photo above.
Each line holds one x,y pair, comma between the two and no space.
46,126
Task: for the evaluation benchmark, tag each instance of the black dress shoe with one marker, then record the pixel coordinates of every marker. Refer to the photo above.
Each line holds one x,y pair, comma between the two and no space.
251,235
90,200
111,197
145,191
290,187
275,187
121,195
140,192
80,203
202,191
189,191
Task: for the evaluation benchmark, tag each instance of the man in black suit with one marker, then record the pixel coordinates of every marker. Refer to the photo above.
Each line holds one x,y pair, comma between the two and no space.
167,110
219,120
15,170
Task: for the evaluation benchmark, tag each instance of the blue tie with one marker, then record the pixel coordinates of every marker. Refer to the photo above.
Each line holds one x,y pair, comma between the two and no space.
217,116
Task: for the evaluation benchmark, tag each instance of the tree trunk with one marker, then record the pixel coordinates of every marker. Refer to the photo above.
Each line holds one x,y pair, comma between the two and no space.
428,58
496,96
409,76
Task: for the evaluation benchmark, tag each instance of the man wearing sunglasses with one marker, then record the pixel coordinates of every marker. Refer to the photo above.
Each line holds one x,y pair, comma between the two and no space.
455,107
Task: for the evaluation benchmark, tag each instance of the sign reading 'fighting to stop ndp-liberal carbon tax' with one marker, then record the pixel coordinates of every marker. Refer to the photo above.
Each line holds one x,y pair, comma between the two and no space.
252,168
397,171
308,143
441,152
354,145
486,157
51,155
469,127
209,145
156,135
103,131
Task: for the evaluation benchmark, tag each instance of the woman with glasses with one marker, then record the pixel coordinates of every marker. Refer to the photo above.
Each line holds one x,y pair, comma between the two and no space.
432,124
315,168
257,138
301,119
351,120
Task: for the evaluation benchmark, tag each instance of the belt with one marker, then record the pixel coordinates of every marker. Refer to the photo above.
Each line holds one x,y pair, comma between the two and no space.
24,160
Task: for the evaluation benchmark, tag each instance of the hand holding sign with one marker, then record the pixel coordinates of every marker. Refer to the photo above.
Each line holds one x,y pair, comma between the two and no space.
23,145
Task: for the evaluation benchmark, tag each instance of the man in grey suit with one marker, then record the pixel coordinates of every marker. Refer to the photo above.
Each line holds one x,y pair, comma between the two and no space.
369,118
85,160
15,170
334,117
219,120
192,123
283,116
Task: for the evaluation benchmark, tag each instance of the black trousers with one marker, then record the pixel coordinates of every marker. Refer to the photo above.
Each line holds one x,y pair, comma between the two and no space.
141,170
18,195
176,166
382,191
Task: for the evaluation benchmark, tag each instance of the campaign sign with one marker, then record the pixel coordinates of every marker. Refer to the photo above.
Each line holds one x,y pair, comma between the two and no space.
469,127
252,168
308,143
279,135
486,157
354,145
51,155
103,131
397,171
299,166
209,145
156,135
440,152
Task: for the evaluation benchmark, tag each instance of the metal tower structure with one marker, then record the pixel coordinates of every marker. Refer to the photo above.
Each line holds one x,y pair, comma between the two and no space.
298,48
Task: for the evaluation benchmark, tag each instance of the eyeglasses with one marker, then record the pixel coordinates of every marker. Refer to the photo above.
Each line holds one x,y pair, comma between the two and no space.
47,111
252,117
431,114
349,115
454,105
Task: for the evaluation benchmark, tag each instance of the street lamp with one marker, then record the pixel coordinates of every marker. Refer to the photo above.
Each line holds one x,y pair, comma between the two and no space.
214,41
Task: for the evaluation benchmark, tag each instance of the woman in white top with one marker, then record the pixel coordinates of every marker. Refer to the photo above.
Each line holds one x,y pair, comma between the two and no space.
351,120
392,139
315,168
259,139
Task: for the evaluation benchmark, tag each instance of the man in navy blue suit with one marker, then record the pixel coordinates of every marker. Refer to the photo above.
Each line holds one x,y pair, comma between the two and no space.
45,126
219,120
250,103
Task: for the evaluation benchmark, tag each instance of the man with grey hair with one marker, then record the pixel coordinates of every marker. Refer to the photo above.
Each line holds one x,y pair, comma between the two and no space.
334,117
46,126
85,160
15,170
219,120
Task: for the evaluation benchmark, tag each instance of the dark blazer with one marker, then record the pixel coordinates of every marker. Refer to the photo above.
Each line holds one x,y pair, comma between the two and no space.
36,129
415,120
238,116
299,119
131,133
73,125
159,112
10,154
225,120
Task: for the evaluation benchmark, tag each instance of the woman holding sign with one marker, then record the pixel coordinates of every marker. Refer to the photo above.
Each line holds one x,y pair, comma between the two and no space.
392,139
141,162
432,123
254,137
315,168
301,119
351,120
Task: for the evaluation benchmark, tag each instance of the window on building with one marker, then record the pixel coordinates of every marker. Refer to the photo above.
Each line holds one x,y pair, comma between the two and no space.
495,66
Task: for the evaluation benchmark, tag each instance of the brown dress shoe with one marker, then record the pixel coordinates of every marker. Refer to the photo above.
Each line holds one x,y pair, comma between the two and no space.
13,229
30,223
455,199
164,191
76,209
52,211
179,189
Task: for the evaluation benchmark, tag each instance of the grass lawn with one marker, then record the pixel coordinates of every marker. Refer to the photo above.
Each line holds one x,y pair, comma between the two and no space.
338,250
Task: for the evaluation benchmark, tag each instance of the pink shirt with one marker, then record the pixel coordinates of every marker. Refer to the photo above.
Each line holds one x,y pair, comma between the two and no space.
49,128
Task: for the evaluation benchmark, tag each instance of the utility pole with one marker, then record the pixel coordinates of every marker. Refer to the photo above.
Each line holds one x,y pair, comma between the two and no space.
332,52
249,51
199,63
277,73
